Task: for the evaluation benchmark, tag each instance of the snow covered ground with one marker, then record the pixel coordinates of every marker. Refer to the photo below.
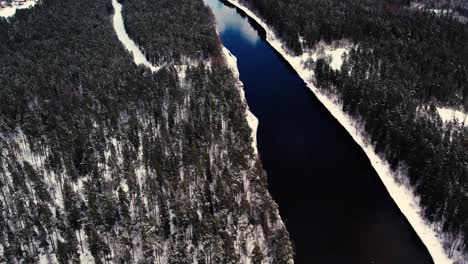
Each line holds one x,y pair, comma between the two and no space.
449,114
130,45
337,56
333,54
11,10
401,193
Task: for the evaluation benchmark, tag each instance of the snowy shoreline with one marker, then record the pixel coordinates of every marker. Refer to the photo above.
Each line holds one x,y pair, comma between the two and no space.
401,194
251,118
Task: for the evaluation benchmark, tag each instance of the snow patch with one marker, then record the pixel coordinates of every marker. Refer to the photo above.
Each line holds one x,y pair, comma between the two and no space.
334,54
450,114
48,259
401,194
138,56
10,11
337,56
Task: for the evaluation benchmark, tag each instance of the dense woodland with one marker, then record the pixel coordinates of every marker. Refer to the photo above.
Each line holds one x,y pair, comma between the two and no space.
102,161
404,63
189,35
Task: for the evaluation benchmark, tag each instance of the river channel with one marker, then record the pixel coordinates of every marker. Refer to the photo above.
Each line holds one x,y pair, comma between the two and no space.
332,201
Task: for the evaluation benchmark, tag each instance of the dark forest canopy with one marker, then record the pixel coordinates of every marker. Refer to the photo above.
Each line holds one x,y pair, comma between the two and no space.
189,34
404,63
103,160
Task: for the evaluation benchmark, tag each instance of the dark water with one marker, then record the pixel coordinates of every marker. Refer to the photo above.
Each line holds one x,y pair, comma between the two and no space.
335,206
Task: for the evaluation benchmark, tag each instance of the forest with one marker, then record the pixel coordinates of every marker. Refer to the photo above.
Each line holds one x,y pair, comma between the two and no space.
103,161
404,63
188,36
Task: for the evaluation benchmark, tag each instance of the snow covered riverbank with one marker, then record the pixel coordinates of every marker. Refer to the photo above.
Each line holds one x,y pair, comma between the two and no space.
138,56
10,11
403,195
251,119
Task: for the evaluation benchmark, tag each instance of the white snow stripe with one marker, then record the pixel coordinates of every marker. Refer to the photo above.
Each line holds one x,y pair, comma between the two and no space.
138,56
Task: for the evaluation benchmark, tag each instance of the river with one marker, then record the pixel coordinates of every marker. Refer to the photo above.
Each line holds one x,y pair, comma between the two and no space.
334,204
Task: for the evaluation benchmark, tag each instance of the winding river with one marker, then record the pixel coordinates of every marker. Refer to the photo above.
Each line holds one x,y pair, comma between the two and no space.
334,204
